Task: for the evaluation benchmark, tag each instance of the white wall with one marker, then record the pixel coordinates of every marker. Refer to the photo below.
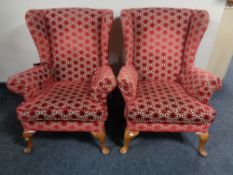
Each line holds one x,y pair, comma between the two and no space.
221,55
18,52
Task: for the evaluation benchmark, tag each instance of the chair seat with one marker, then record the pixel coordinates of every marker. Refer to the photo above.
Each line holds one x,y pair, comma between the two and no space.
167,102
63,100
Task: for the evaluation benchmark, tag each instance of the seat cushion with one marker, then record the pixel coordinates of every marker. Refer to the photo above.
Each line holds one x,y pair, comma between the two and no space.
167,102
63,100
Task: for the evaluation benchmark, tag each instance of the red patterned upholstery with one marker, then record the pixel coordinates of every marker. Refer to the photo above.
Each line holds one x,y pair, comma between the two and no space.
128,81
65,100
167,102
71,40
162,88
29,82
200,84
102,83
68,89
70,126
166,127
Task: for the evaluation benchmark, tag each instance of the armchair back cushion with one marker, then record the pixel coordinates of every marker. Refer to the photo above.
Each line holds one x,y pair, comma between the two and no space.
73,41
155,40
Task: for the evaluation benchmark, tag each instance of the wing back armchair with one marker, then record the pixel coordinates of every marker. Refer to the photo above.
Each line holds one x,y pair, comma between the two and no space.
67,90
163,90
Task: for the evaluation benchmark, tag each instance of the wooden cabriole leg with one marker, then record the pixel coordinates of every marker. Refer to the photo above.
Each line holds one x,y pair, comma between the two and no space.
27,135
203,138
128,136
101,137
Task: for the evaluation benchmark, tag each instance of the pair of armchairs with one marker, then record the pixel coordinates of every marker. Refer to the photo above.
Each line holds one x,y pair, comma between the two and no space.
162,89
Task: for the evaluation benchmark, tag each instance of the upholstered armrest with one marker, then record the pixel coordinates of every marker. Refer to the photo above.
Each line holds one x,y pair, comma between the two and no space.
29,82
128,81
200,84
103,83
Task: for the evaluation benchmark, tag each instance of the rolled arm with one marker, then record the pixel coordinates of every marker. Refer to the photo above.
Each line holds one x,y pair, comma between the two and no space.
103,83
29,82
128,81
200,84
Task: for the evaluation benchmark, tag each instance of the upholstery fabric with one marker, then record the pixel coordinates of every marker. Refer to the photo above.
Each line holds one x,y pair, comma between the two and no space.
128,81
72,40
198,25
28,83
200,84
167,127
158,41
70,126
167,102
63,100
103,83
162,89
68,88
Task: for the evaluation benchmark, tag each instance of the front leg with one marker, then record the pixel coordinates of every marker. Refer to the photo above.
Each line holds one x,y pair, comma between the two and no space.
27,135
128,136
203,138
101,137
